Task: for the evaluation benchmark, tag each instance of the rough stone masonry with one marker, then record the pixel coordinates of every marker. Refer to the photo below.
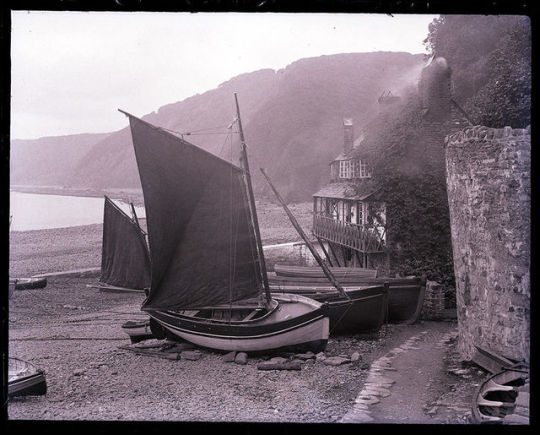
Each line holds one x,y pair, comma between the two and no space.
488,182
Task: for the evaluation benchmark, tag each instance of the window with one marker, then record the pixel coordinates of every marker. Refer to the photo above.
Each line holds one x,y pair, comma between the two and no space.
364,171
360,217
344,169
356,171
353,169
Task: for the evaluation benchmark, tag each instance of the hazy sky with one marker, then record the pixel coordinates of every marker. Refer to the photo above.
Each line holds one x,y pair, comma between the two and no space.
72,70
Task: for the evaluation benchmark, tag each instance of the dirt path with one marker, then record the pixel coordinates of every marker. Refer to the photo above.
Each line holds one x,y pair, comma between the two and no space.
418,381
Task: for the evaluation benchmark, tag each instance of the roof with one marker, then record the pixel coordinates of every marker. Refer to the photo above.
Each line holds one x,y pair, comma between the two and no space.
353,153
358,191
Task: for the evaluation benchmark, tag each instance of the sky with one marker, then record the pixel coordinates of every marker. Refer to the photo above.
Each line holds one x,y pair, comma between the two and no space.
71,71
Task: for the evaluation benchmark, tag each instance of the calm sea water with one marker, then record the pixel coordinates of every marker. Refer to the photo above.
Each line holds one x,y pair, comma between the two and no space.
31,211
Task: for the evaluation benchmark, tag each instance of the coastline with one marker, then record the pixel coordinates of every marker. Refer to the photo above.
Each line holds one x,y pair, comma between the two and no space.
35,252
125,194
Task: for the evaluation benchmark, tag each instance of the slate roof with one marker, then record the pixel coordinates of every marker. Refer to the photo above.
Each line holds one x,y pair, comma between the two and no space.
358,191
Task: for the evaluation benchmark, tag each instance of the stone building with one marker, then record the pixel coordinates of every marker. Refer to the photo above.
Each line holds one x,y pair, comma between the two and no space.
488,178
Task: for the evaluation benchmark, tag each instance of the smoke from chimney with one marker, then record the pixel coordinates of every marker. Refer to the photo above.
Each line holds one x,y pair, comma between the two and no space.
348,132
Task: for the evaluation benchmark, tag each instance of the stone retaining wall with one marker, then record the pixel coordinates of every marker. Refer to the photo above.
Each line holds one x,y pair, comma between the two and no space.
488,183
433,308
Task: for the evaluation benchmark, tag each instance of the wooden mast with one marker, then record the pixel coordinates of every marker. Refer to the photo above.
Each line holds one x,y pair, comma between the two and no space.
255,222
314,252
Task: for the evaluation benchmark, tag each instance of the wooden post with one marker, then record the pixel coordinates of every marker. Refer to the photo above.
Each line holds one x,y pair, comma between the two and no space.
255,222
334,252
314,252
357,254
325,252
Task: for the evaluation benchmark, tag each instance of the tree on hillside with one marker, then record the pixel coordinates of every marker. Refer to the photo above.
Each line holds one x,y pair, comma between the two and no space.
490,57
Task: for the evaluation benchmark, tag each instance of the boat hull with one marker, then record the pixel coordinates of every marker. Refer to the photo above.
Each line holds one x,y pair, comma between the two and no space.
30,283
24,379
496,397
12,284
365,311
137,330
31,385
405,295
298,324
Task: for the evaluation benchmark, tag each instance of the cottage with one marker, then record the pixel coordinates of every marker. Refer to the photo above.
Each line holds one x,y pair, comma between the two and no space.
348,215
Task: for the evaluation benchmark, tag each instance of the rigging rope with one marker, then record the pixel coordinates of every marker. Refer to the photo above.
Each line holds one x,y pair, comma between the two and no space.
197,132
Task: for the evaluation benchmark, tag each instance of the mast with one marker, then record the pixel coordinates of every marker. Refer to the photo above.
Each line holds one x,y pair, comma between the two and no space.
315,254
135,218
245,164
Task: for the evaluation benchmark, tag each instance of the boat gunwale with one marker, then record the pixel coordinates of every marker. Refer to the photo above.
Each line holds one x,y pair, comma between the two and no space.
292,299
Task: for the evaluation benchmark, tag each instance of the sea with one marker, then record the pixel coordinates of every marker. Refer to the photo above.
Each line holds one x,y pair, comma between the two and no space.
36,211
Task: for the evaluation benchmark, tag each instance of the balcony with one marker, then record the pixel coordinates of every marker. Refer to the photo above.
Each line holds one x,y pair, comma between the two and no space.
364,238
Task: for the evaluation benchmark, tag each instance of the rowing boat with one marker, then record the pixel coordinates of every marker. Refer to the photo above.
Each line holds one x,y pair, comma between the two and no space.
24,379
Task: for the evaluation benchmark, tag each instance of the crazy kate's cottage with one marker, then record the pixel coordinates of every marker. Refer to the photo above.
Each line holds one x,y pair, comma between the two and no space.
348,215
385,206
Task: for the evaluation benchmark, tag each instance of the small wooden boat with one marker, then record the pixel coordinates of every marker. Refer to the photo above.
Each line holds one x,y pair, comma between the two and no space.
405,295
293,323
495,398
317,272
208,280
366,310
24,379
30,283
138,330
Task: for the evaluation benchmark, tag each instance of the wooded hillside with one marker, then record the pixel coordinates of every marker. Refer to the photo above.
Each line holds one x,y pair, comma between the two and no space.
292,120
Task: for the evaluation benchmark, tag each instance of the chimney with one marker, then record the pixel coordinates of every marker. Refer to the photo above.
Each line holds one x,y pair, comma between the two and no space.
348,132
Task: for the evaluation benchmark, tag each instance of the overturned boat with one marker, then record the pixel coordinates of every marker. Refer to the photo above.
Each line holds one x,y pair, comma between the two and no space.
496,398
208,276
125,261
24,379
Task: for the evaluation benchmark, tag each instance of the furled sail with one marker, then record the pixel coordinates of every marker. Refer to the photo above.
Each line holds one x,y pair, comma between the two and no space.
125,260
200,235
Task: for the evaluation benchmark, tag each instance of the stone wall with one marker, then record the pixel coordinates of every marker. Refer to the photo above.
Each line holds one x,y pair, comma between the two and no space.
488,184
433,308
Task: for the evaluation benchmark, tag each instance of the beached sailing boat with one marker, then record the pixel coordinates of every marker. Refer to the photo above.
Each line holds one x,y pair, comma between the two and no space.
208,276
125,260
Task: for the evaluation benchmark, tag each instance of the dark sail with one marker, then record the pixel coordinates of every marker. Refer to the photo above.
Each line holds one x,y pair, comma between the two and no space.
125,261
200,236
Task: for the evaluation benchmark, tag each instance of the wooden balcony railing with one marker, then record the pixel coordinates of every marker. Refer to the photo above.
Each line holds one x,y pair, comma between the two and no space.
364,238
